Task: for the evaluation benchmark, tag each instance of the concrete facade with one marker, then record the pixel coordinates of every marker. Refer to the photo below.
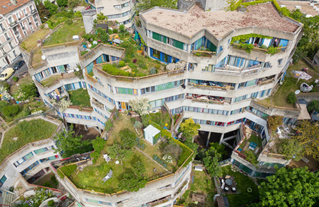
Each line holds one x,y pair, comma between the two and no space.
16,22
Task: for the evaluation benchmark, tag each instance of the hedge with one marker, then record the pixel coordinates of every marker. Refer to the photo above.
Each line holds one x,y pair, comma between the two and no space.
68,169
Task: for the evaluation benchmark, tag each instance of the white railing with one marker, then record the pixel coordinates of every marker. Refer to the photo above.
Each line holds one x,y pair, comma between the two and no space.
236,71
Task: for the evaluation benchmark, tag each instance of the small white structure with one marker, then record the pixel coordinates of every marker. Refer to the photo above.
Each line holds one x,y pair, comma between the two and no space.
149,134
76,37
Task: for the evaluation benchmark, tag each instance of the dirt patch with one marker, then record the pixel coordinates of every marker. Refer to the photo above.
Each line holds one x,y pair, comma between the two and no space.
88,134
16,85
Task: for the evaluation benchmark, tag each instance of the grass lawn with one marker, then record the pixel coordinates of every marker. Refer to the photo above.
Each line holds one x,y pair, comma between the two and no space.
204,185
26,131
91,177
25,80
290,85
243,182
36,58
80,97
50,80
31,41
65,33
257,140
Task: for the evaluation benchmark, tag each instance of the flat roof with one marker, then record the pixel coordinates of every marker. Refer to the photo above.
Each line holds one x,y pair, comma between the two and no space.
304,6
218,23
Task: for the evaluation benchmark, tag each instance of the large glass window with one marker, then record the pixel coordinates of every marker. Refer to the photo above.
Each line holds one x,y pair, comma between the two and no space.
3,180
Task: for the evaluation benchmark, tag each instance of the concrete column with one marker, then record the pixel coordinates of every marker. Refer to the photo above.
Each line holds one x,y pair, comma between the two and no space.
188,48
148,51
208,138
221,138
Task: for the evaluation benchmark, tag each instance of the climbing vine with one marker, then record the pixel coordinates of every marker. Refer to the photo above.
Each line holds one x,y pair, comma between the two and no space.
244,38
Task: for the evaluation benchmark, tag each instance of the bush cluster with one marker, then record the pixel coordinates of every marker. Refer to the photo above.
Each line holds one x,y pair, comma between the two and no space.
291,98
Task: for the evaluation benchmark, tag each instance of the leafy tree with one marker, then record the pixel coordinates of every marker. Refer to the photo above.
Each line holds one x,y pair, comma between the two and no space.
62,2
101,16
51,7
251,157
77,14
291,148
98,145
44,13
189,128
69,144
211,162
147,4
140,106
26,91
3,104
128,138
274,122
220,148
291,98
122,28
313,106
118,151
308,137
73,3
11,110
133,181
101,33
289,187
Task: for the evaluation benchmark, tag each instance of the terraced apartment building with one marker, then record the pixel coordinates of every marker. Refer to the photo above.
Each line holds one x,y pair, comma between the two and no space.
197,65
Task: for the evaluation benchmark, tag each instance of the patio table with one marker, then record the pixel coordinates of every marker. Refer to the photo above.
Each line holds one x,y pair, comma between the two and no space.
229,182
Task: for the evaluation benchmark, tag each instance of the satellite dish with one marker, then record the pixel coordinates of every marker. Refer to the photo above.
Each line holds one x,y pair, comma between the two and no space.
43,57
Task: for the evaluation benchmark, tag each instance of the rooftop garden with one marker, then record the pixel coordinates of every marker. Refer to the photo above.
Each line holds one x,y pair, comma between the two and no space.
120,147
80,97
31,41
36,58
290,85
25,132
244,195
201,184
50,80
66,32
251,148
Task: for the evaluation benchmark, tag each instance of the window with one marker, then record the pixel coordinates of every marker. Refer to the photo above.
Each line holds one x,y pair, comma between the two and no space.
25,12
279,61
10,20
11,46
49,158
1,26
3,180
29,168
18,15
14,53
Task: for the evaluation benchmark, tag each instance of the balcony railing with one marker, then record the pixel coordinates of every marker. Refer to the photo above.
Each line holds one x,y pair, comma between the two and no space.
99,105
256,48
203,53
236,71
263,82
210,101
157,202
211,87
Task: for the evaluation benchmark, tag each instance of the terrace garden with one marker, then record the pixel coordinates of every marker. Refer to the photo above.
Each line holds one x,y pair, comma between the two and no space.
130,157
243,195
251,148
290,85
25,132
29,43
80,97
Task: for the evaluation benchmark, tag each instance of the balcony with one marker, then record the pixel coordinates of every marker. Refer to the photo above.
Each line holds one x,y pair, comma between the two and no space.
249,47
13,23
33,11
203,53
98,104
211,86
264,81
236,71
209,99
159,201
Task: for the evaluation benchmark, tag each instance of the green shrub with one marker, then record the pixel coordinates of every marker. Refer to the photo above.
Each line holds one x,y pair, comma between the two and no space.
68,169
11,110
263,47
60,174
108,125
110,31
68,21
54,180
153,71
51,203
157,66
77,14
3,104
291,98
247,47
122,63
110,69
122,28
115,30
5,85
15,78
47,184
272,50
312,106
132,65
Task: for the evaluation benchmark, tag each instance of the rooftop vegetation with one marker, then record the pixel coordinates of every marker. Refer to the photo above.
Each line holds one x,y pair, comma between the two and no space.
31,41
243,182
118,147
290,85
80,97
26,132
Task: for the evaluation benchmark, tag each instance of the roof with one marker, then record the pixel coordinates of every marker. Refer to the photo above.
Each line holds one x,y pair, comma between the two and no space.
304,112
9,6
218,23
305,7
151,130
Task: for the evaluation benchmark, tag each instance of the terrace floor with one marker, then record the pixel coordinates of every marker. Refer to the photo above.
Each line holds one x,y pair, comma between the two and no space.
91,176
80,97
31,41
290,85
312,164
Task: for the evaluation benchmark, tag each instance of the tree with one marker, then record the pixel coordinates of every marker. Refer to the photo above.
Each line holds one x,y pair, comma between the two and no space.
118,151
101,16
69,144
147,4
211,162
140,106
122,28
62,105
220,148
189,128
291,98
98,145
133,181
51,7
3,104
73,3
307,136
101,33
26,91
291,148
289,187
313,106
11,110
44,13
128,138
274,122
62,2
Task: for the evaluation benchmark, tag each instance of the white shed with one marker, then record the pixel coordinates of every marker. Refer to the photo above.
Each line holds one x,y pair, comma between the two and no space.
149,134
